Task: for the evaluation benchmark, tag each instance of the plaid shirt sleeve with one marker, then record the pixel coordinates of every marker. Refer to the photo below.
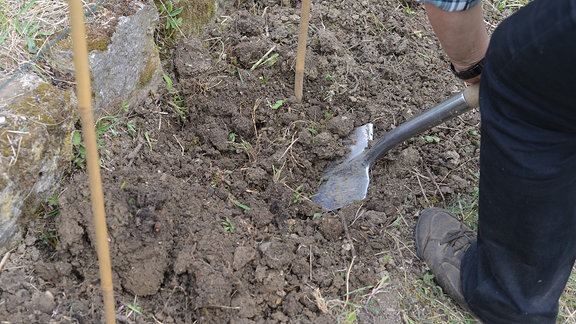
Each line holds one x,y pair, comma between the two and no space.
452,5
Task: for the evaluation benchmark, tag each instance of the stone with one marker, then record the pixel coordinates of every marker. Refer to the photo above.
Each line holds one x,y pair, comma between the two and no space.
130,67
37,119
35,149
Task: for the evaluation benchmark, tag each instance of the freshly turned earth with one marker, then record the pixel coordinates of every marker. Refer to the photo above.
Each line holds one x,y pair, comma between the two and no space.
210,220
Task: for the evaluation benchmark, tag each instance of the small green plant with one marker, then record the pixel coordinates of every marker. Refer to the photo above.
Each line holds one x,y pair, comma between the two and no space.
175,100
239,204
513,5
170,13
106,126
277,173
227,225
49,237
79,150
133,309
379,26
131,128
297,194
266,59
125,106
312,131
432,139
53,207
148,140
232,137
277,104
408,10
330,77
246,147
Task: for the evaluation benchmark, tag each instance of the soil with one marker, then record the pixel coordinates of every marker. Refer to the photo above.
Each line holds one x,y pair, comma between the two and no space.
210,217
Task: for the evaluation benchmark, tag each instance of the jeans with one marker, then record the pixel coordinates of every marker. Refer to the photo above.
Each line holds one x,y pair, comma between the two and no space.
526,247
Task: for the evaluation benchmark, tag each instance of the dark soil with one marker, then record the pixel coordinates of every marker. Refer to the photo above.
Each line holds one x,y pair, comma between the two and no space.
210,218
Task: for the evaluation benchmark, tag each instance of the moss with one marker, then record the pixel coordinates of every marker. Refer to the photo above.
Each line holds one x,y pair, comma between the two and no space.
196,13
45,108
42,123
98,44
148,72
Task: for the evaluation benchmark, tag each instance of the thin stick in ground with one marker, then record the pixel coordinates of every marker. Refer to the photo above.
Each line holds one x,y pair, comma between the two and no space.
301,50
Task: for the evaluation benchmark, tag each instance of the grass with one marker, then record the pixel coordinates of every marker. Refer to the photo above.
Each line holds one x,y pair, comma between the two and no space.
175,100
509,5
26,27
348,308
107,127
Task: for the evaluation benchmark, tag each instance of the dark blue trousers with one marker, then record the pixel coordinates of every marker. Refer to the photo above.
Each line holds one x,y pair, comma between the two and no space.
526,246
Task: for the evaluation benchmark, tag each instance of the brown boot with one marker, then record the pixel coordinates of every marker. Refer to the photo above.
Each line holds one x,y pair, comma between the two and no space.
441,241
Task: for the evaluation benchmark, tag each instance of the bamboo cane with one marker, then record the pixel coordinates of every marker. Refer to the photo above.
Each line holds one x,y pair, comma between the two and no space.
301,50
84,93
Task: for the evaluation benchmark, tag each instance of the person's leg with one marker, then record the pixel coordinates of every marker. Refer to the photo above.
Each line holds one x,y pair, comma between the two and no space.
527,211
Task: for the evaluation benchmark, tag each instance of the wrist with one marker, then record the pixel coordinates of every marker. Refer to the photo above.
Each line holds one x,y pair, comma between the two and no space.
467,73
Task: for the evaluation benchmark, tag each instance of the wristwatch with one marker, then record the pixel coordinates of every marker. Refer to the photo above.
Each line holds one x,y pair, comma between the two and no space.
472,72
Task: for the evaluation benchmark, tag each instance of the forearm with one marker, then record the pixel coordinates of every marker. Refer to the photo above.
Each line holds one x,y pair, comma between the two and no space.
462,34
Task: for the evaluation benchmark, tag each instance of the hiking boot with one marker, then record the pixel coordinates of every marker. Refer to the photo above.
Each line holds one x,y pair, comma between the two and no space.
441,241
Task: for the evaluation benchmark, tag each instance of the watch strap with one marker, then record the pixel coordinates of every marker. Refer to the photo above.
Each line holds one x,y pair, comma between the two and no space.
472,72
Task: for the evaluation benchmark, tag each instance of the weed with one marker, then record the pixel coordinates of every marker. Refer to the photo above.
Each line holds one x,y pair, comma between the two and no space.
330,77
227,225
125,106
52,209
354,302
175,100
513,5
132,309
246,147
131,128
566,313
277,104
377,23
266,60
312,131
466,207
79,150
408,10
148,140
277,173
170,14
232,137
239,204
105,127
432,139
49,237
297,194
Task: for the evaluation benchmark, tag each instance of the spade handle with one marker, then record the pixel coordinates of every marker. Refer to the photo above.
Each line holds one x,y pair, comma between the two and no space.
455,106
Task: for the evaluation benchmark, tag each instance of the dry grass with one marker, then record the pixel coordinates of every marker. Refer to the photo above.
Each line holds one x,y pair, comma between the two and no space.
29,27
26,27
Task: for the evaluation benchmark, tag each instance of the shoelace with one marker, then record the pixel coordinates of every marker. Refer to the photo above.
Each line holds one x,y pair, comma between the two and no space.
459,239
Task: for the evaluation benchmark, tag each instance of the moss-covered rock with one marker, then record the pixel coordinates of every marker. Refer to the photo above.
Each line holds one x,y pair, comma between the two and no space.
196,13
35,149
130,66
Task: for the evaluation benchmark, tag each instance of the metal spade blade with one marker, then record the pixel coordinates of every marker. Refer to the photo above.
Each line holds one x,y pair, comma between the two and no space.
348,180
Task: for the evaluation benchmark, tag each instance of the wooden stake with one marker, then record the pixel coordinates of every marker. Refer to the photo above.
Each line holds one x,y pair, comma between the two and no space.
84,93
301,50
